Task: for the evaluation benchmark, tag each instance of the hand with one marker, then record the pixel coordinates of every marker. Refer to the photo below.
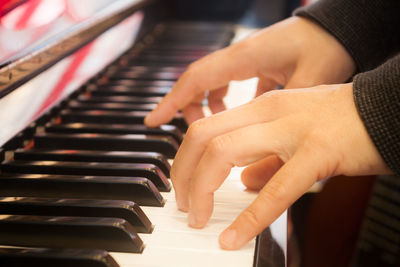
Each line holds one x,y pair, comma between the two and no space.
289,139
295,53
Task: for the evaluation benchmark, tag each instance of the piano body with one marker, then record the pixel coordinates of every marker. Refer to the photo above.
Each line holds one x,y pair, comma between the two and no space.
82,181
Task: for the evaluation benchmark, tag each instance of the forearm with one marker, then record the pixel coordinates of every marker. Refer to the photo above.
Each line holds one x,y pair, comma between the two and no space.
369,30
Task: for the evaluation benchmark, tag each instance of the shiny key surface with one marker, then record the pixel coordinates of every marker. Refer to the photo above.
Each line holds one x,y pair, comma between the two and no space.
139,190
165,145
123,90
79,127
42,257
134,170
126,210
151,75
78,106
120,99
137,83
115,117
145,69
70,232
94,156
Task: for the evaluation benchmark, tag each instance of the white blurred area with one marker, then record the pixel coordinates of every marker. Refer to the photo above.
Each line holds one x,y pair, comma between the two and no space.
22,106
33,23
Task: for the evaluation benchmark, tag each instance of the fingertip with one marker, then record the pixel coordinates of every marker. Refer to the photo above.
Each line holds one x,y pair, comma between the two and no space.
183,209
195,222
227,239
148,120
182,205
154,119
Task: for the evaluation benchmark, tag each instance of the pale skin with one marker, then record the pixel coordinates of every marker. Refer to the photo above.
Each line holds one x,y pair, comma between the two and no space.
288,139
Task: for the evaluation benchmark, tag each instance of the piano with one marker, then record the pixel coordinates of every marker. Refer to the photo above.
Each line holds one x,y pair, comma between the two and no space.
83,182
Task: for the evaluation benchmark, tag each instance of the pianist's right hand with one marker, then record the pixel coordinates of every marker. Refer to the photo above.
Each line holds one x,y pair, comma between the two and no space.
295,53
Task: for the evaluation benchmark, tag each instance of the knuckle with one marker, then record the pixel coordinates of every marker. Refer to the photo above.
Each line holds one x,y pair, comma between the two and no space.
219,145
275,95
192,68
317,145
196,130
274,100
316,140
250,216
174,104
173,173
276,192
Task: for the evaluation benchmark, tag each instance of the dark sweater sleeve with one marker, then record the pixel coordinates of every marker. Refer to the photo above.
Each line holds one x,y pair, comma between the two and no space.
368,29
377,97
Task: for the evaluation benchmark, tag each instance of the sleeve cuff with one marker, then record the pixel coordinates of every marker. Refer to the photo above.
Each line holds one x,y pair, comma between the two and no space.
369,30
377,98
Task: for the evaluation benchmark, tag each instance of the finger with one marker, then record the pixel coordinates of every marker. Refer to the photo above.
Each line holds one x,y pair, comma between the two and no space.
237,148
265,85
255,176
287,185
211,72
194,110
302,78
198,135
215,99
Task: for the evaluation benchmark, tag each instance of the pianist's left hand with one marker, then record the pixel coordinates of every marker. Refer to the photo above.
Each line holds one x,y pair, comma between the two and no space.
289,139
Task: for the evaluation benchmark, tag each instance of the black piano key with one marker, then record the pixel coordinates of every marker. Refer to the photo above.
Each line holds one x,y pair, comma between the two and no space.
124,90
184,47
155,60
70,232
139,190
42,257
165,145
194,37
15,142
149,171
136,83
95,156
177,25
120,99
113,69
192,53
126,210
79,106
19,138
162,64
115,117
166,129
139,75
182,28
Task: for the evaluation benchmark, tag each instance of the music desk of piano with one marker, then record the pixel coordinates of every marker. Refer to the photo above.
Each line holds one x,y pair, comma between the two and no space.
74,90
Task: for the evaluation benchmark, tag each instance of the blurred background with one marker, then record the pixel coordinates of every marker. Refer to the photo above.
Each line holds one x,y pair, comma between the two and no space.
255,13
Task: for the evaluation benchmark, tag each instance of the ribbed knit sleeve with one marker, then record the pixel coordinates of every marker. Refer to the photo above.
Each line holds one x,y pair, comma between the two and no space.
377,97
368,29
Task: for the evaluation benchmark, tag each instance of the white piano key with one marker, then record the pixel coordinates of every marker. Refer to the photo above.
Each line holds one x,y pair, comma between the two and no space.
183,257
174,243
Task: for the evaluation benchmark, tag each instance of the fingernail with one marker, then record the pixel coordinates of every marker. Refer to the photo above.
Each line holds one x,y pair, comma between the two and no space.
181,206
227,239
192,220
148,118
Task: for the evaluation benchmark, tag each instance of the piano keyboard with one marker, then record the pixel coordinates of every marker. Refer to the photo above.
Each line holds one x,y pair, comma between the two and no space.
94,179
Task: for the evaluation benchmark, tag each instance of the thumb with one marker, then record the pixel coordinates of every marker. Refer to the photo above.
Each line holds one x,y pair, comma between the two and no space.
301,79
287,185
